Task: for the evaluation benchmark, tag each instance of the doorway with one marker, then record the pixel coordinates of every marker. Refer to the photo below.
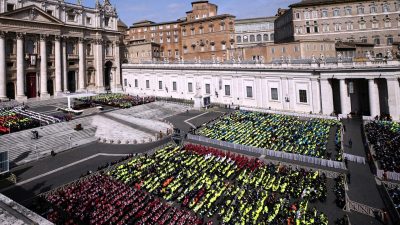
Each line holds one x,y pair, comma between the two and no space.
31,91
50,87
10,90
107,75
71,81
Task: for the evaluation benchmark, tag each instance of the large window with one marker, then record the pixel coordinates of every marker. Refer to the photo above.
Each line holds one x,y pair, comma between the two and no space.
136,83
10,7
259,38
239,39
377,40
348,11
266,37
385,7
190,87
249,91
336,12
227,90
125,82
174,88
147,84
360,10
160,85
303,96
252,38
389,41
373,9
208,91
274,94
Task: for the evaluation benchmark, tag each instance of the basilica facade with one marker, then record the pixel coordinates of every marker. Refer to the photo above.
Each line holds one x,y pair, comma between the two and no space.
51,47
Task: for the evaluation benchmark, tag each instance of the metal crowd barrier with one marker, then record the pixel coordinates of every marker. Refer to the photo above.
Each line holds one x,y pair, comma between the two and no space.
261,151
305,115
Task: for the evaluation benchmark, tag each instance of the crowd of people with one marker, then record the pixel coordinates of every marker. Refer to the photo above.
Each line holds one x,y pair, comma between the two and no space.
100,199
395,195
227,187
338,144
272,131
11,121
190,185
117,100
340,192
385,138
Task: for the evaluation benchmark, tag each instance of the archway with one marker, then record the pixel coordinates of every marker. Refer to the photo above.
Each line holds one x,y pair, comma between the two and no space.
107,74
10,90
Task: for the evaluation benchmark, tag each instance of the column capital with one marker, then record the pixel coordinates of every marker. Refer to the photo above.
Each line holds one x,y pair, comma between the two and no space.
57,37
43,37
117,42
98,41
392,78
20,36
3,34
81,40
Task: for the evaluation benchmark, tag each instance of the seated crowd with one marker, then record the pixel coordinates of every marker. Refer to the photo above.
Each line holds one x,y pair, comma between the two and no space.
231,188
192,185
117,100
11,121
395,195
274,132
340,192
385,138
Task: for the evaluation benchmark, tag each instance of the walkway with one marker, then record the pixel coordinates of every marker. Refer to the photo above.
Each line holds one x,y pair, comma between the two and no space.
129,124
362,188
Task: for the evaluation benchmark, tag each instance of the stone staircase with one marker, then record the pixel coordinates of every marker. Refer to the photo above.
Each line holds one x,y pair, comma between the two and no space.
155,110
53,102
58,137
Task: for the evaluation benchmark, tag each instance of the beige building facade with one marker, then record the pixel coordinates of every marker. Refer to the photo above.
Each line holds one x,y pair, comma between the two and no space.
254,31
371,22
287,52
53,47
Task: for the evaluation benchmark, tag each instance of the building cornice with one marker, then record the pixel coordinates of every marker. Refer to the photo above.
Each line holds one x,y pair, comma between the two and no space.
269,68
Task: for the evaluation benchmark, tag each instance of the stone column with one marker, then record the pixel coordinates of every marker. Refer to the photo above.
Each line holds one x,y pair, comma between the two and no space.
344,97
99,62
43,68
394,97
117,79
82,65
326,97
3,71
315,95
374,98
58,70
20,68
64,65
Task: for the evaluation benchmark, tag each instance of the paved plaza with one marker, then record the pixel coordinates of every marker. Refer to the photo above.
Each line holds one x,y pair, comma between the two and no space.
36,175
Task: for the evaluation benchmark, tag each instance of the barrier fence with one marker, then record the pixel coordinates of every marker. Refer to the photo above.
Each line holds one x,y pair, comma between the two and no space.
305,115
354,158
277,154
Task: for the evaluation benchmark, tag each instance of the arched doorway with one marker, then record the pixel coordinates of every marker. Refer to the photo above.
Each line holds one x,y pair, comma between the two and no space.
107,75
31,91
10,90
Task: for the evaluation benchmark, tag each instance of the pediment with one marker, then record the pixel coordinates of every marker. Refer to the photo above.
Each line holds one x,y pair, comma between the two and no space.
32,14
